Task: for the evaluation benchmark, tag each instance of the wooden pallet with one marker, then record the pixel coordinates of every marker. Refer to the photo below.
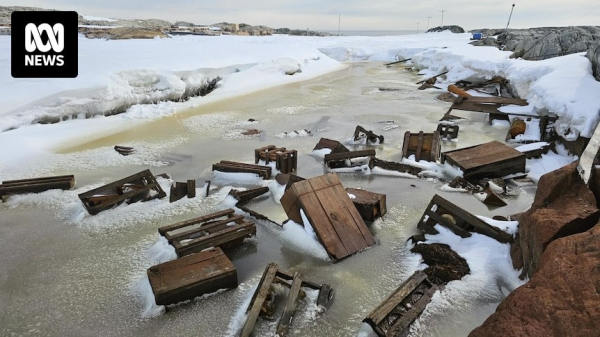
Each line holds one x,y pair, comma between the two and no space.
425,146
235,167
360,133
462,223
180,190
191,276
220,229
273,275
398,167
336,221
370,205
138,187
489,160
448,131
286,161
36,185
338,160
396,313
333,145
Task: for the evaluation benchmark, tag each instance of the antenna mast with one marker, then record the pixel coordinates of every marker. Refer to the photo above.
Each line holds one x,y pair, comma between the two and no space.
443,10
339,22
511,11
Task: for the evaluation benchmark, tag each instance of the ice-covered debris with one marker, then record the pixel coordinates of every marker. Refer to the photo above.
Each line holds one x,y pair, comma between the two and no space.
289,66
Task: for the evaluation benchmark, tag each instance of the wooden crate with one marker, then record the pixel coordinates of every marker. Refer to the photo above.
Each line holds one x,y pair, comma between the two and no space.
338,160
448,131
286,161
370,205
335,219
220,229
396,313
36,185
489,160
462,223
334,145
273,275
138,187
425,146
235,167
191,276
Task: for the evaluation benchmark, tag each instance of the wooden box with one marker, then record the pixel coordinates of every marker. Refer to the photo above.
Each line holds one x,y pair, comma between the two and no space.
191,276
286,161
425,146
370,205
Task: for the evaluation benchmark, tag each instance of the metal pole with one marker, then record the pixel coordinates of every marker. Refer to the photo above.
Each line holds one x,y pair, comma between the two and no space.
443,10
339,22
429,17
511,11
417,28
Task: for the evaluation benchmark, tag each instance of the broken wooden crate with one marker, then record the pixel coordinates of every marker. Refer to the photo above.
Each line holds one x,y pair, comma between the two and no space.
124,150
342,159
244,197
286,161
487,105
273,275
424,146
235,167
334,218
192,276
36,185
448,131
333,145
489,160
220,229
370,205
287,179
362,133
462,223
138,187
393,166
396,313
180,190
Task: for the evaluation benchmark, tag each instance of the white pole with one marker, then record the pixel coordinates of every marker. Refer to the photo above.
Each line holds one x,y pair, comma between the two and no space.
443,10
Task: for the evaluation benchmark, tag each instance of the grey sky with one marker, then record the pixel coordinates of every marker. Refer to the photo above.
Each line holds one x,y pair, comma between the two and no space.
375,14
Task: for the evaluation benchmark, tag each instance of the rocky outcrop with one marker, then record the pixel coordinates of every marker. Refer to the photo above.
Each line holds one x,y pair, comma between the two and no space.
488,41
123,33
453,29
562,298
563,206
593,55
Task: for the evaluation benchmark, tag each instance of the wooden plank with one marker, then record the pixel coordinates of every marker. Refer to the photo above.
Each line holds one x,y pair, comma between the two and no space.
483,154
43,186
290,306
305,283
393,166
349,155
406,144
163,230
178,191
70,178
411,315
192,276
191,188
497,100
476,107
427,79
419,146
396,62
258,299
229,234
246,196
370,205
203,227
334,145
436,147
116,184
326,295
234,167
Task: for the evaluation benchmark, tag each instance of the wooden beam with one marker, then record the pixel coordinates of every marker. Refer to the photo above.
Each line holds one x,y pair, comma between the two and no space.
290,306
259,297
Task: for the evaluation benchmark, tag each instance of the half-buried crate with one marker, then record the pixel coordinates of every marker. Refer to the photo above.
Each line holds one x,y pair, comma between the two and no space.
221,229
424,146
286,161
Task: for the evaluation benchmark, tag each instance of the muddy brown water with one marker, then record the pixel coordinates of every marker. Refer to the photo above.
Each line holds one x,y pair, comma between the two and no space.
61,279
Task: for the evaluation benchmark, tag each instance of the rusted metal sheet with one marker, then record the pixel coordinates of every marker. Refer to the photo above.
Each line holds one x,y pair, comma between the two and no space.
448,131
489,160
138,187
286,161
361,133
235,167
220,229
191,276
36,185
370,205
273,275
395,314
425,146
340,159
336,221
462,223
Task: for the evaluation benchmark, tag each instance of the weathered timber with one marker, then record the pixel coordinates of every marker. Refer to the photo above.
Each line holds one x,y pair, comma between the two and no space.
370,205
489,160
425,146
287,179
458,91
361,133
124,150
138,187
462,223
178,191
536,152
333,145
492,199
337,160
496,100
220,229
191,276
235,167
36,185
396,62
433,79
397,312
273,275
243,197
286,161
335,219
207,188
428,86
191,188
398,167
448,131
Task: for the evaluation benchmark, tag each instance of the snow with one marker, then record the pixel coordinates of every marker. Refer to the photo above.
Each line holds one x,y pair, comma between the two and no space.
97,18
537,167
531,146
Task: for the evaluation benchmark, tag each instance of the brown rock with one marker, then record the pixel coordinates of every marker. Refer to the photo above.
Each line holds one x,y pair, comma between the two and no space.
563,206
562,298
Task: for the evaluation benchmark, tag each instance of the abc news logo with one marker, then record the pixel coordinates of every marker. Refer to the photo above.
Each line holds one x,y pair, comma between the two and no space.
44,44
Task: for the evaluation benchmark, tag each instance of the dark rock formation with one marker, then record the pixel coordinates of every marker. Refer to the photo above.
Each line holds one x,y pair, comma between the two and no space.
488,41
453,29
593,55
563,206
562,298
445,265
